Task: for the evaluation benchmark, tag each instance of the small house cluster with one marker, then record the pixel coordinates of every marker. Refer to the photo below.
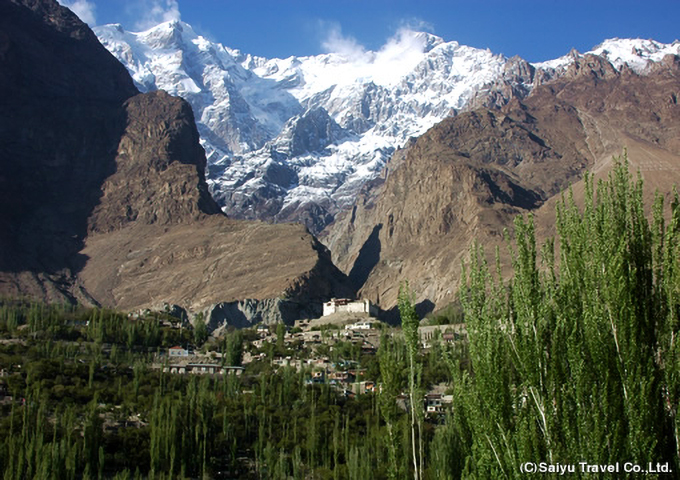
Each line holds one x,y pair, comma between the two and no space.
367,325
202,369
445,333
437,402
178,352
356,326
185,361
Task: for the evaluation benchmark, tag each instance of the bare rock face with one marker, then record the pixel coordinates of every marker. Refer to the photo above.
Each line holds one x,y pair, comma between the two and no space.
311,132
208,261
517,80
160,168
102,190
468,177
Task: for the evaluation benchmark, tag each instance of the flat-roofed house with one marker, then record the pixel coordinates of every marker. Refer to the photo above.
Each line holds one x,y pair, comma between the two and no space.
178,352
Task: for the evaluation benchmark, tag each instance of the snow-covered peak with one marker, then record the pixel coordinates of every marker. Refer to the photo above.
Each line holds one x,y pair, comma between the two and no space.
167,35
235,110
559,63
351,64
637,54
168,49
172,34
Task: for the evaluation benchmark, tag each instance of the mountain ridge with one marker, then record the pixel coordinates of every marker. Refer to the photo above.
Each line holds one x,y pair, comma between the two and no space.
106,199
380,98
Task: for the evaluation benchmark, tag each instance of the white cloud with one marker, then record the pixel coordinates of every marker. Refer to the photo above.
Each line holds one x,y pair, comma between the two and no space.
336,42
396,58
399,55
417,24
83,8
153,12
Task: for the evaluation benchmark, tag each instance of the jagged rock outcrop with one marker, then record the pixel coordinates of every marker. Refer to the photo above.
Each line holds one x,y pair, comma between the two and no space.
248,312
311,132
269,180
517,81
160,168
469,176
104,198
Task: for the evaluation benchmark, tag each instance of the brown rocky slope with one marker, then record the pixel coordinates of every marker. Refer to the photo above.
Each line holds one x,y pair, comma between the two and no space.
103,196
469,176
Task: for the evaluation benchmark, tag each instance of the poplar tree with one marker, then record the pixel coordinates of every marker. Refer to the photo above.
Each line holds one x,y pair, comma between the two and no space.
577,359
409,325
391,360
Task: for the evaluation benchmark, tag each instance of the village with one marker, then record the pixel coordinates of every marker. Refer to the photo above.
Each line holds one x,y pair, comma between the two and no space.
338,349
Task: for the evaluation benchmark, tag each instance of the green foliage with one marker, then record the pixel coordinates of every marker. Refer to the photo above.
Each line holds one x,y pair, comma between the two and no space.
232,353
580,362
95,407
409,325
280,337
200,330
392,358
449,315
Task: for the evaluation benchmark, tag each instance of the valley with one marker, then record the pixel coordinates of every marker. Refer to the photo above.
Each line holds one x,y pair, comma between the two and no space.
218,265
398,174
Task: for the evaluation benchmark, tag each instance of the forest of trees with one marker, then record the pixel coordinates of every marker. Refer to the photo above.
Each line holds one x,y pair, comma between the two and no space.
575,358
87,404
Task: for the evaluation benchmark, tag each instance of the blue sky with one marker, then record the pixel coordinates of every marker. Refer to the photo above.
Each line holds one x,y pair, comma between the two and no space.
536,30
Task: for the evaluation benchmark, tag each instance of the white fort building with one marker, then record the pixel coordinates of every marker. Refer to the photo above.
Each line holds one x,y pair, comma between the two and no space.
336,305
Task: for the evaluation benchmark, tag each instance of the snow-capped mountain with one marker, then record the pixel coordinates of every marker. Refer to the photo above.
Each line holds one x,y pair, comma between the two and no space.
637,54
295,139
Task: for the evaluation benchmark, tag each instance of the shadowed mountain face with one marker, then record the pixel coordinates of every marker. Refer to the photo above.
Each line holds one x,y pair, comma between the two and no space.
102,190
62,120
468,177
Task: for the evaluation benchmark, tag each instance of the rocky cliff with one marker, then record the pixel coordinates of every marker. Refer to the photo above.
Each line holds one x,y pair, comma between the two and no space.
469,176
103,196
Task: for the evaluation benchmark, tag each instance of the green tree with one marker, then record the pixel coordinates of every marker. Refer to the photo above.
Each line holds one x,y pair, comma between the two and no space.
280,338
392,363
200,330
409,325
577,360
233,348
